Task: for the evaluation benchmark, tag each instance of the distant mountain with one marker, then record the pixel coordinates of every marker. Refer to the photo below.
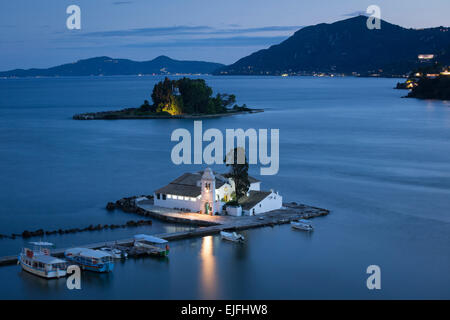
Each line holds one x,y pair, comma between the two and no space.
347,46
108,66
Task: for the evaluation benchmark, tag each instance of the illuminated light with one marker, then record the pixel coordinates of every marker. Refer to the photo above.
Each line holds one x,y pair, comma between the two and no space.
425,56
208,268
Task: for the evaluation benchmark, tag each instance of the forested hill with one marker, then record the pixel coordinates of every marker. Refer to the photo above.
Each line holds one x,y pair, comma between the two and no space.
347,46
108,67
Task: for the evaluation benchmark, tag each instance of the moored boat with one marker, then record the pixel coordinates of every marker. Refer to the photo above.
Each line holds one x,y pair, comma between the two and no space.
38,261
92,260
232,236
115,253
152,245
301,225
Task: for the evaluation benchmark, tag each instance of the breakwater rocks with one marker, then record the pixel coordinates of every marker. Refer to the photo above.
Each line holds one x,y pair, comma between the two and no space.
130,113
40,232
129,204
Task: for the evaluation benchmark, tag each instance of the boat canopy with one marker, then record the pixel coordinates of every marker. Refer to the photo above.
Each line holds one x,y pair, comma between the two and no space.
88,253
42,243
47,259
151,239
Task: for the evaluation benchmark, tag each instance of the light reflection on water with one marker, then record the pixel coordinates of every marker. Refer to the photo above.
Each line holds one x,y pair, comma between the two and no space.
208,269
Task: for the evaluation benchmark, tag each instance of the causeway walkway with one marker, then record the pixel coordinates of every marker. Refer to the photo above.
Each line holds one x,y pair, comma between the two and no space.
207,225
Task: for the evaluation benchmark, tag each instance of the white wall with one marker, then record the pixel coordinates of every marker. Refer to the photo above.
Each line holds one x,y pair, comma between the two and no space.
176,203
234,211
219,206
271,202
255,186
220,193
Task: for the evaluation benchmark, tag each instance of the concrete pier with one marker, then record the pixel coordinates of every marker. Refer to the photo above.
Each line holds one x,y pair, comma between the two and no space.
209,225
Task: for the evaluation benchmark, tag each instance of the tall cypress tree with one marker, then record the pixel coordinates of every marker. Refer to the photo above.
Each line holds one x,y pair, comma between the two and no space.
237,160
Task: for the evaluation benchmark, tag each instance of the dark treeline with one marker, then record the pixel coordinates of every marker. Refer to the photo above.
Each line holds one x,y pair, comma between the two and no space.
187,96
437,88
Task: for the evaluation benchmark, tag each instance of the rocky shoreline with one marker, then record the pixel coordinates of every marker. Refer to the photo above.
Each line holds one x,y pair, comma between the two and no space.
123,115
131,205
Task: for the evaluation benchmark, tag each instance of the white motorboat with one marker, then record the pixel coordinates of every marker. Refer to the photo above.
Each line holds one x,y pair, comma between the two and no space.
232,236
115,253
38,261
301,225
92,260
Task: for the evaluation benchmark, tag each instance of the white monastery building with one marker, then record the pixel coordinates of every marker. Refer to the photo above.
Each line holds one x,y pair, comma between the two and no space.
207,192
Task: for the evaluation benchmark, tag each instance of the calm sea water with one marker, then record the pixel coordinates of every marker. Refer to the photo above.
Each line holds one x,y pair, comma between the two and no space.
379,162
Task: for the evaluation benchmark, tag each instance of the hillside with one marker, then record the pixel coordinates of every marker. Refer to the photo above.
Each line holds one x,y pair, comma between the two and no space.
347,47
108,66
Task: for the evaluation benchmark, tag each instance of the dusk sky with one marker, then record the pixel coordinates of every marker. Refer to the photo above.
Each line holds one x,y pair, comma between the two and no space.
33,33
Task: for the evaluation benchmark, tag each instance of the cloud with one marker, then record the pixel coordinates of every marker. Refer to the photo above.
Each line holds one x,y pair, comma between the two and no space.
157,31
211,42
255,30
188,30
182,37
355,13
218,42
116,3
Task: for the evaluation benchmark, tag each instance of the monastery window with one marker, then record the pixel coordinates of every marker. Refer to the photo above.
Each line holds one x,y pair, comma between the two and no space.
158,196
164,197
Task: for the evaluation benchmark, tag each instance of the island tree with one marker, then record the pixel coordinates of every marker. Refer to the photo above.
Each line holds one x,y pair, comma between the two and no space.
187,96
237,160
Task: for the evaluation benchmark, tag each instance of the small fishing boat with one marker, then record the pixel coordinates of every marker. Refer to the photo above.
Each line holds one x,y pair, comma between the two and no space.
232,236
115,253
301,225
92,260
152,245
38,261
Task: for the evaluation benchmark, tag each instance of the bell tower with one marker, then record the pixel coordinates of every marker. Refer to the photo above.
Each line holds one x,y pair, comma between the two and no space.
208,192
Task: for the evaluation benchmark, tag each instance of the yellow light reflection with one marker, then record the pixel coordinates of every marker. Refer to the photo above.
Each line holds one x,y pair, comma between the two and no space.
208,271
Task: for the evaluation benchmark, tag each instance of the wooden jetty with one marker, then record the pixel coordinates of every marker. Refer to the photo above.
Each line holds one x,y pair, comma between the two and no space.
215,224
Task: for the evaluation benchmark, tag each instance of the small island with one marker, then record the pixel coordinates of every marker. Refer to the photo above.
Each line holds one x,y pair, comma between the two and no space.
429,82
175,99
435,88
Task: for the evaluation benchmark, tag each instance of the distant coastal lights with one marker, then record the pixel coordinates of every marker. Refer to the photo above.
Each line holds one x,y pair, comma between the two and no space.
425,56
